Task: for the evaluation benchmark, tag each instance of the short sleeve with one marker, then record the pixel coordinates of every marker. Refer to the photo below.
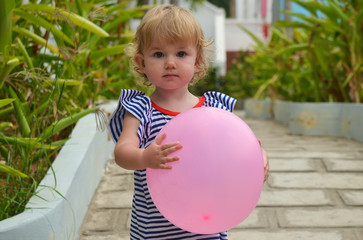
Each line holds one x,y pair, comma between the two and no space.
219,100
135,102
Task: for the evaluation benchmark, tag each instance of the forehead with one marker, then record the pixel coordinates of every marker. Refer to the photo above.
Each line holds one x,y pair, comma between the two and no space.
164,43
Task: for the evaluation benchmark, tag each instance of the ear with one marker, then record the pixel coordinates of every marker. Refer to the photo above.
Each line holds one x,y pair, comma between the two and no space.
139,60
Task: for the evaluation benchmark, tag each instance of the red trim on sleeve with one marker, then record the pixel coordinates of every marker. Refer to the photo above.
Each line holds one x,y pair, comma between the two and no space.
171,113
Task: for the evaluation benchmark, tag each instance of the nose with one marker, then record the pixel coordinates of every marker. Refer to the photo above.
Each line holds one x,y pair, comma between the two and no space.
170,63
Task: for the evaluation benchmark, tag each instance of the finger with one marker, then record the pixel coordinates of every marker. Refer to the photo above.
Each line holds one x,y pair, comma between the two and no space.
266,174
164,166
160,139
169,145
171,159
171,149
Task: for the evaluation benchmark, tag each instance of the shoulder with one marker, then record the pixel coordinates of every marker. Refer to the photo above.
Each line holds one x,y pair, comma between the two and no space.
135,102
219,100
132,101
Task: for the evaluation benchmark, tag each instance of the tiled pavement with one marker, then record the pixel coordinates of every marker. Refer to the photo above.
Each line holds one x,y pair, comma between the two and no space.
314,192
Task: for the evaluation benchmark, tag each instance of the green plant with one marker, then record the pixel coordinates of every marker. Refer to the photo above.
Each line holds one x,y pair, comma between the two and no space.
211,82
339,35
55,65
318,58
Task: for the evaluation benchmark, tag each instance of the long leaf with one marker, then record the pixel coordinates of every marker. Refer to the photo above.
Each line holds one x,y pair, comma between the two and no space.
102,53
25,54
76,19
4,152
80,9
293,24
8,110
339,11
6,13
43,23
6,101
36,38
116,7
26,142
292,48
12,171
8,67
20,116
308,5
60,81
330,26
281,35
123,16
65,122
358,68
263,87
4,125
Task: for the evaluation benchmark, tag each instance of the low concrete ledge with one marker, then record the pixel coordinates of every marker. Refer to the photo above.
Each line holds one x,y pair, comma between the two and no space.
314,119
62,202
260,109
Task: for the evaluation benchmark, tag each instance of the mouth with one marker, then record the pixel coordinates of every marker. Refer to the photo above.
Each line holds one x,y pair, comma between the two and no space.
170,75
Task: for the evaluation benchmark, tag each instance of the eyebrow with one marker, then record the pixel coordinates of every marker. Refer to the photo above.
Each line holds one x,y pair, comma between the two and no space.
179,49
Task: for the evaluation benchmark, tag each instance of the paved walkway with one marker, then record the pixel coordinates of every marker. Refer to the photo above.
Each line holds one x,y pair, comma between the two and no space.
314,192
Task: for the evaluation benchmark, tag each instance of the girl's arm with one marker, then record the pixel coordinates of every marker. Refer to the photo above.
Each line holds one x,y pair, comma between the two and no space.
129,156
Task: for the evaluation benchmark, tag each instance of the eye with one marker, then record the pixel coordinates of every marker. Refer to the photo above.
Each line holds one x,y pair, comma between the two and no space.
181,54
158,54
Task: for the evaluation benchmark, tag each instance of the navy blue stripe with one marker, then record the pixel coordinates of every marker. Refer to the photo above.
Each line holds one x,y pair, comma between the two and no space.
147,222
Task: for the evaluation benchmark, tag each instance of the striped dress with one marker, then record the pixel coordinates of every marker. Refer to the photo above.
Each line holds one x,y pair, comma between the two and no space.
146,221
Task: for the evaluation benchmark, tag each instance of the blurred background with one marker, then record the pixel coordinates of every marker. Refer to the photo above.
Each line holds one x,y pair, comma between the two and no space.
60,59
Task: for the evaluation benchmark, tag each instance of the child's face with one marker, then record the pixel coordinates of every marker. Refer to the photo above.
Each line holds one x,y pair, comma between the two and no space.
167,65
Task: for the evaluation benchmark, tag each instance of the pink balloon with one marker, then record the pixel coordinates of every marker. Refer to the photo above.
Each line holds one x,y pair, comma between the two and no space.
218,180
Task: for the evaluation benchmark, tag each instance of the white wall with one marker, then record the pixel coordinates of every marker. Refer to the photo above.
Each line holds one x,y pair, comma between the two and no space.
237,39
248,14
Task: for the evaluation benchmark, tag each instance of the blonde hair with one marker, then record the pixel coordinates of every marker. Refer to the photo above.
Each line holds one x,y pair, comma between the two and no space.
171,23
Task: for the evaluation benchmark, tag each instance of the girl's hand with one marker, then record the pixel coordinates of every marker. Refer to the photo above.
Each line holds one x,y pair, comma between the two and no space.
265,165
156,154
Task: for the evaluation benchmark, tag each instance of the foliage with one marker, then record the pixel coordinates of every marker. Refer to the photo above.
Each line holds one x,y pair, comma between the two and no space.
318,58
57,61
211,81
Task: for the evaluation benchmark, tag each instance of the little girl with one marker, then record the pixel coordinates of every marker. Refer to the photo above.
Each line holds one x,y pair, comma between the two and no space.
169,53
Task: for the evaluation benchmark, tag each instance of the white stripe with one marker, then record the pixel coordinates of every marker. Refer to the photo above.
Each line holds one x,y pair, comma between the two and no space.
147,222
